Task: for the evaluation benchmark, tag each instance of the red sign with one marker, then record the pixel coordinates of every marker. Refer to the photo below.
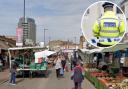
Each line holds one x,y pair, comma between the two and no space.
19,37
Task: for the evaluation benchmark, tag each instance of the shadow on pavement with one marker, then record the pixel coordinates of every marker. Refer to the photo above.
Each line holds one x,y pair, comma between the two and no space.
19,80
42,74
36,74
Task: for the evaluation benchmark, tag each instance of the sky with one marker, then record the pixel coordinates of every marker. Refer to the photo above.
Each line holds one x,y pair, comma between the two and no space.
62,18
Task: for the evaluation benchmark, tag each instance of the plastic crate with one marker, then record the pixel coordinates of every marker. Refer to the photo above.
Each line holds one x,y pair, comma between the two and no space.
38,66
32,66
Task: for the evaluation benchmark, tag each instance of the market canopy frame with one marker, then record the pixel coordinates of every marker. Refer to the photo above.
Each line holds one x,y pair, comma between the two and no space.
20,48
120,46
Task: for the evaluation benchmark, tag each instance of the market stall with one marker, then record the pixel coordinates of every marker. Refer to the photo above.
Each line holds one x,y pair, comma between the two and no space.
25,58
114,73
42,57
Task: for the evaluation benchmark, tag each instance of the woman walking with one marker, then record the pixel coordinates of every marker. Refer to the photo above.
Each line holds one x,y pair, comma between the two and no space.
77,76
58,66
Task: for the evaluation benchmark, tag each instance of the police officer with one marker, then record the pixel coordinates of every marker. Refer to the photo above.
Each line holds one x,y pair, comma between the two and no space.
109,26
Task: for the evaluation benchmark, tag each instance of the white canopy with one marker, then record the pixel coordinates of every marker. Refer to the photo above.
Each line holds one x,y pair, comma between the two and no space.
91,50
22,48
44,53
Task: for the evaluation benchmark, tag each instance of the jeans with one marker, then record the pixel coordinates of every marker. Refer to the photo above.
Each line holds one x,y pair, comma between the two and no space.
77,85
13,78
58,72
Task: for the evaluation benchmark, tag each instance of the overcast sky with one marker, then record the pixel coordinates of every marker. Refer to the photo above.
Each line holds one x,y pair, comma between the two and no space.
62,18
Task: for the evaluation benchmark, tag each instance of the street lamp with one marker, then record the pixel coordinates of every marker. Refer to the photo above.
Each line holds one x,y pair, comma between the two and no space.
49,43
24,11
75,42
44,36
23,21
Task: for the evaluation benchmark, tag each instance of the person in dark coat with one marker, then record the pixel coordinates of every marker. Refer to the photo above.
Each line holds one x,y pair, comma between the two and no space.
74,60
77,76
63,62
1,58
99,58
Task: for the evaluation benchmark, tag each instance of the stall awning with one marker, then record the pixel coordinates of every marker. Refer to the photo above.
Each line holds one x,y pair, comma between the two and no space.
117,47
22,48
44,53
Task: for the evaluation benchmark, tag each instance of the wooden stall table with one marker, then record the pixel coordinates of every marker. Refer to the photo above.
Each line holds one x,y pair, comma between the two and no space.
30,71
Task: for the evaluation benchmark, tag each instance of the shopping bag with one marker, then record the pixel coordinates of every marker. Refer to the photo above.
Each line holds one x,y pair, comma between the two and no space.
72,75
61,71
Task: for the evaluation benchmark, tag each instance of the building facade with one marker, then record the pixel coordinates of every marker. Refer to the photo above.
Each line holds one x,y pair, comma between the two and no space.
124,7
82,42
11,37
29,30
59,44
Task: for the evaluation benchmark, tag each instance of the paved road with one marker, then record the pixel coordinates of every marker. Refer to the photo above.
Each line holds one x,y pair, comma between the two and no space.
46,83
4,75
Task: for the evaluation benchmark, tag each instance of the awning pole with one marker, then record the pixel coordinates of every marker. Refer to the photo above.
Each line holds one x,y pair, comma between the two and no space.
9,57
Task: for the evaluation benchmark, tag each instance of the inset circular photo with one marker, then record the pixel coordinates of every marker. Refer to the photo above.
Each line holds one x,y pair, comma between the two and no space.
103,24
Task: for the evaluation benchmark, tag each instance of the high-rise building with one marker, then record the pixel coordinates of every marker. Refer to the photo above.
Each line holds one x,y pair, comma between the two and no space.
82,42
29,30
124,7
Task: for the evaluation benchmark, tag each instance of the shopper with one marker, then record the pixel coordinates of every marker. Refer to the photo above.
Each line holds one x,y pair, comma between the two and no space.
13,73
58,66
1,66
1,58
74,60
63,62
4,61
77,76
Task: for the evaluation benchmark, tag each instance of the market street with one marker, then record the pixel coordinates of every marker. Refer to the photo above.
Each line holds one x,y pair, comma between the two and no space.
46,83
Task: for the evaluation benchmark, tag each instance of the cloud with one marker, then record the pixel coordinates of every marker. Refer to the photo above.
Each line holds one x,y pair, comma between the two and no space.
61,27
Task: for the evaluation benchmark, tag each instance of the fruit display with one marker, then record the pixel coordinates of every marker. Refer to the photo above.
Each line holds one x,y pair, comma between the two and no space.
116,84
103,80
122,86
99,74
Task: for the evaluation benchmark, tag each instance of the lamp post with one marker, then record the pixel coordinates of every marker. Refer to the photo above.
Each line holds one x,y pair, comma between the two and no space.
44,36
49,43
75,42
23,32
24,11
23,25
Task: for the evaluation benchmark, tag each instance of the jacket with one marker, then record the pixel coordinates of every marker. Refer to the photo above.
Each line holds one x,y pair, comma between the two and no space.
77,75
109,26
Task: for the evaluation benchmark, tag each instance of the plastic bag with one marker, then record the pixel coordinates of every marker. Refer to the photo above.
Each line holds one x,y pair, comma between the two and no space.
61,71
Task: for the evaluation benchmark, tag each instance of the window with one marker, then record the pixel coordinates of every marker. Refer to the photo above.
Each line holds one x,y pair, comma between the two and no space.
118,11
88,11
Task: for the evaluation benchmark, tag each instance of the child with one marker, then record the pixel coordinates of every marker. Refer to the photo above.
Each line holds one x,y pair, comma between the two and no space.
77,76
